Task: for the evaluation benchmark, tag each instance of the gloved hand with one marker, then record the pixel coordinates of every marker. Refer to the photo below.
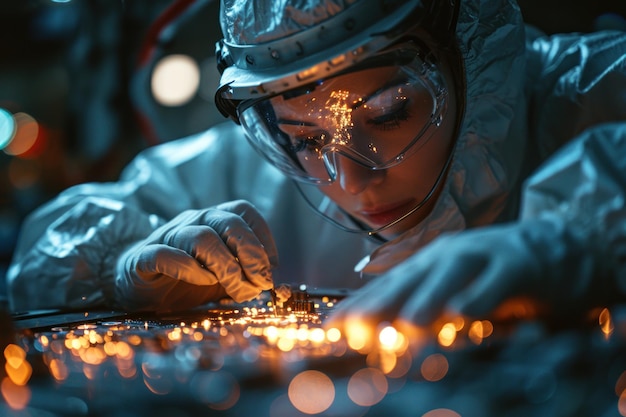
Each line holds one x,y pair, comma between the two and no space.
199,256
471,273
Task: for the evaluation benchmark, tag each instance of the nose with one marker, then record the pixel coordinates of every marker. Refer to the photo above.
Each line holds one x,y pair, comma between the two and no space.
353,177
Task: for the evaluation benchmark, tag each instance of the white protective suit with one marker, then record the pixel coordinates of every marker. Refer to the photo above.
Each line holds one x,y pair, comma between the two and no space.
527,96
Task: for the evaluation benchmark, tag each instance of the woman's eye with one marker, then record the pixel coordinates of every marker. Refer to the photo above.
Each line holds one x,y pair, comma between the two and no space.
312,142
391,118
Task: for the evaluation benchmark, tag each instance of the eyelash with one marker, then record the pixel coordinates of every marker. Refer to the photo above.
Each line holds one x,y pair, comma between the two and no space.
392,120
303,143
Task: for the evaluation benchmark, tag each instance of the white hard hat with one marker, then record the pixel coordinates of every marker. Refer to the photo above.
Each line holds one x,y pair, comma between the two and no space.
272,46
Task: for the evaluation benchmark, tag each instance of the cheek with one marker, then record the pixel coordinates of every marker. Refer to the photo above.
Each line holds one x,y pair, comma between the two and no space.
420,170
334,192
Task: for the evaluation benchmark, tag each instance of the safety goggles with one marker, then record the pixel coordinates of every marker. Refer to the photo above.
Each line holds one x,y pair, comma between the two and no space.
375,115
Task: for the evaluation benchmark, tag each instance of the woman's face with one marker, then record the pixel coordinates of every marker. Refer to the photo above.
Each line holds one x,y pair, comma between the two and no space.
353,122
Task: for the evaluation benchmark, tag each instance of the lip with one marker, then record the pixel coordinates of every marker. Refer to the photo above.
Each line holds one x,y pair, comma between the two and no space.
385,214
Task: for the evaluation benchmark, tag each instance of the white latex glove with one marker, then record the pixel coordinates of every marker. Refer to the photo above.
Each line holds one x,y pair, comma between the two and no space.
199,256
473,272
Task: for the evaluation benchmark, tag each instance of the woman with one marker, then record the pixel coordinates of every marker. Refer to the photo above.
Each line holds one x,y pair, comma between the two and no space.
410,125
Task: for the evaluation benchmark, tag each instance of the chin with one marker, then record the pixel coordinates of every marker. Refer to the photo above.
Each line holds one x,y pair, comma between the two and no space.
397,230
404,226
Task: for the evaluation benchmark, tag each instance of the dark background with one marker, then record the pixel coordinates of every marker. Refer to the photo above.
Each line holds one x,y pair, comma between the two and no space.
81,68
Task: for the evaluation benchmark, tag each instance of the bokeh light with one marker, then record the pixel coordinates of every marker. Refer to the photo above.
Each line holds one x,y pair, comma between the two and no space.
388,337
7,128
383,360
58,369
17,367
479,330
358,334
402,366
606,323
392,340
28,138
175,80
434,367
333,335
219,389
16,396
447,334
621,404
311,392
154,378
441,412
620,384
367,387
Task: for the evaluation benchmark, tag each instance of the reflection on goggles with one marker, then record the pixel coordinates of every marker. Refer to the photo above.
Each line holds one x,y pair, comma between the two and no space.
374,117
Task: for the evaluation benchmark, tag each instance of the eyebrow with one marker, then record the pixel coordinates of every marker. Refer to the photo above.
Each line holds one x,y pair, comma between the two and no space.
387,85
294,122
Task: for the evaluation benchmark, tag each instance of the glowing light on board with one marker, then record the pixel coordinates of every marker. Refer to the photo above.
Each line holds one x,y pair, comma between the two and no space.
206,352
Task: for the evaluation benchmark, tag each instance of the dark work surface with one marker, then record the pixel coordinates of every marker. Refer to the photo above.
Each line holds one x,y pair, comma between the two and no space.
211,362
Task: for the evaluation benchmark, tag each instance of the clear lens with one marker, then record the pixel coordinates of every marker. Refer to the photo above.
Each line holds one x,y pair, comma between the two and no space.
374,116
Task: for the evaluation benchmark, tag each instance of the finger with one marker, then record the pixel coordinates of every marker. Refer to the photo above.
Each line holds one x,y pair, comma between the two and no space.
382,298
352,306
442,283
257,223
204,244
156,261
244,245
495,284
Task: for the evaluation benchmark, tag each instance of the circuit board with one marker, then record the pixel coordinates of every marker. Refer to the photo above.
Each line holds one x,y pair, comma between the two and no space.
264,360
205,356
